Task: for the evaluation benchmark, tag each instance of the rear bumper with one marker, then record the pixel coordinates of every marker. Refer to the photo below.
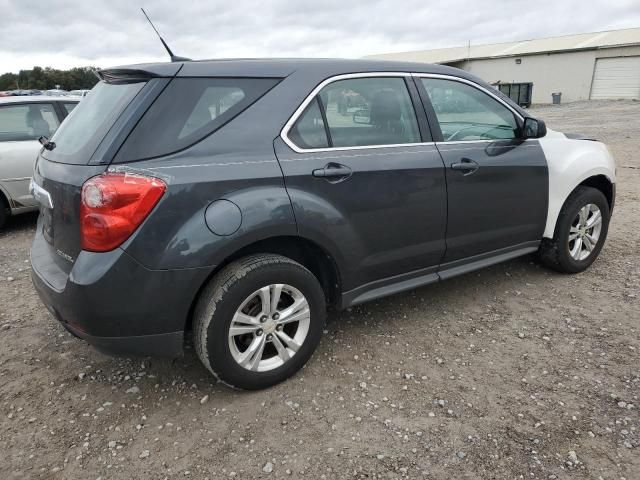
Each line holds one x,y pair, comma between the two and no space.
159,345
116,304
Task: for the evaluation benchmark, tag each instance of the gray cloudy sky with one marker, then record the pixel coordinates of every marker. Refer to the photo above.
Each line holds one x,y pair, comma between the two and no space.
66,33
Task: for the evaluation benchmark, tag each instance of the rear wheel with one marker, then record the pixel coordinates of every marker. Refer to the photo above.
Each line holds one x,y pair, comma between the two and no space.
580,233
258,321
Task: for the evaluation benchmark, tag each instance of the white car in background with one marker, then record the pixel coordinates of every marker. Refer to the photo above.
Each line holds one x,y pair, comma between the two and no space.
22,121
79,93
56,93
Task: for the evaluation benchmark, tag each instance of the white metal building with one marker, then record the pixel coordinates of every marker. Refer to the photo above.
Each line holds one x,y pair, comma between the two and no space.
600,65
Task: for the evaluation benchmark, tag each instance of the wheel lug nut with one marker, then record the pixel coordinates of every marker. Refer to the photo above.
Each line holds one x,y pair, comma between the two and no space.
279,328
263,319
276,316
259,332
269,337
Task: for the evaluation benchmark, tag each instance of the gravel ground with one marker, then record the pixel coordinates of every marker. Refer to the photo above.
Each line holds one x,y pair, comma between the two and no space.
510,372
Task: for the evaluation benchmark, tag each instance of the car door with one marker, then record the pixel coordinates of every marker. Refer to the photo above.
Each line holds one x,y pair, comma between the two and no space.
21,124
497,183
365,179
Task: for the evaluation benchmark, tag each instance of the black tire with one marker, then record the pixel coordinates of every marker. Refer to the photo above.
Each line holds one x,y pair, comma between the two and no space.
4,211
554,253
224,295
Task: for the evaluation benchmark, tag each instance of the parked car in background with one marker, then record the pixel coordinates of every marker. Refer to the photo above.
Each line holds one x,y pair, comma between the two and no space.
238,199
22,121
56,93
22,93
79,93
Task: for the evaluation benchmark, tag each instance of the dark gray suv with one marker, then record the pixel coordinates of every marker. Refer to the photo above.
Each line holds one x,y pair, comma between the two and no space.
241,198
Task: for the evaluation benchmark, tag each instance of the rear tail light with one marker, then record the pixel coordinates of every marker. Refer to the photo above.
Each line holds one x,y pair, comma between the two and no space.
113,205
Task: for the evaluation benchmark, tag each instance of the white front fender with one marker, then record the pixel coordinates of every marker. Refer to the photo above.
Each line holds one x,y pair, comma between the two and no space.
570,163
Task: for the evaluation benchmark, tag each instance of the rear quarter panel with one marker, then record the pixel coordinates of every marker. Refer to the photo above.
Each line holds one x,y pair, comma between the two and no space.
176,234
235,163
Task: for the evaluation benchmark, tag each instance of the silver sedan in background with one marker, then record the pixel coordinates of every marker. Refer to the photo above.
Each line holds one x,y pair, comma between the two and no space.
24,119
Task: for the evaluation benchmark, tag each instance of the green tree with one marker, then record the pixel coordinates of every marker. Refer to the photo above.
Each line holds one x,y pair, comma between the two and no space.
47,78
8,81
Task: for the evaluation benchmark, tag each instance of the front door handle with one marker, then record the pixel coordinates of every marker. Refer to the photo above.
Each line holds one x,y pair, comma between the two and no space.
333,172
466,165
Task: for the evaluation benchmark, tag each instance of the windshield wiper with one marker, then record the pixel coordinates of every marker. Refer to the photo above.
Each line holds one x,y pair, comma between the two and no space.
46,143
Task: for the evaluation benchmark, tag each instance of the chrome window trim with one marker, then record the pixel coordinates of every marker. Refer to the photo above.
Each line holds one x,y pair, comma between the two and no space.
494,140
479,87
296,114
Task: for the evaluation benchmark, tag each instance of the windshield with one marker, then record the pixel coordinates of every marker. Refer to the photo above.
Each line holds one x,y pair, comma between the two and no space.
82,131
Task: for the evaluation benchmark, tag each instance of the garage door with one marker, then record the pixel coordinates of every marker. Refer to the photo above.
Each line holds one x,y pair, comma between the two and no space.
615,78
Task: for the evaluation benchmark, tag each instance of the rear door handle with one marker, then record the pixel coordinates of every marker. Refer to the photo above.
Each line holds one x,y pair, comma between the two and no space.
466,165
333,172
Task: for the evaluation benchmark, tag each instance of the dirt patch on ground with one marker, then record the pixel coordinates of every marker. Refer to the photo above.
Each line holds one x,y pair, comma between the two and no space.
510,372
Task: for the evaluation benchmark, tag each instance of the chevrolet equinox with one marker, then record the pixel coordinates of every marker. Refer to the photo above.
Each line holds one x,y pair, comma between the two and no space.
238,199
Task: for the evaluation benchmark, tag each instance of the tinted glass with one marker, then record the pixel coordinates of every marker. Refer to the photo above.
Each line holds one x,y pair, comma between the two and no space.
69,106
309,130
369,111
27,122
188,110
467,113
89,122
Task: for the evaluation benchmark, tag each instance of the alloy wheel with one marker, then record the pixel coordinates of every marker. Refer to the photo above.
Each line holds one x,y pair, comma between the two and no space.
269,327
585,232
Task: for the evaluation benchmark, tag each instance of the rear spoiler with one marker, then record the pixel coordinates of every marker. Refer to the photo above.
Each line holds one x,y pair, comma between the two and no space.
139,73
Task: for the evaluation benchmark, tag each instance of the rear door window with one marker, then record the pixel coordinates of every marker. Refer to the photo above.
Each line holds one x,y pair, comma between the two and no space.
27,121
370,111
361,112
309,130
188,110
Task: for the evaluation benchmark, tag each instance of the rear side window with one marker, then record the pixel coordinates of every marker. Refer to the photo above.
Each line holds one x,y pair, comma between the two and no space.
85,127
27,122
188,110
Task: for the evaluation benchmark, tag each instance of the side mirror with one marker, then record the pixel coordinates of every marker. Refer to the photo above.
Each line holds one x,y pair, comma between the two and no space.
362,117
533,128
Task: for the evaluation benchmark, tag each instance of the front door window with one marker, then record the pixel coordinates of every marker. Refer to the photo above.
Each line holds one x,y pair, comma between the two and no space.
467,113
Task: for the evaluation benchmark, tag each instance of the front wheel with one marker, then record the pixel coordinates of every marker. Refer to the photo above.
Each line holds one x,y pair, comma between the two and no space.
580,233
258,321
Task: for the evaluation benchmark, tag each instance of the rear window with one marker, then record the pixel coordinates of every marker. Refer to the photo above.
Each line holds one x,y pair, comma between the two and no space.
188,110
82,131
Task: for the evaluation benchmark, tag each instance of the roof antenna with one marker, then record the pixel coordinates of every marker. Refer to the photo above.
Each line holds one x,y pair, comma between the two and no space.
174,58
